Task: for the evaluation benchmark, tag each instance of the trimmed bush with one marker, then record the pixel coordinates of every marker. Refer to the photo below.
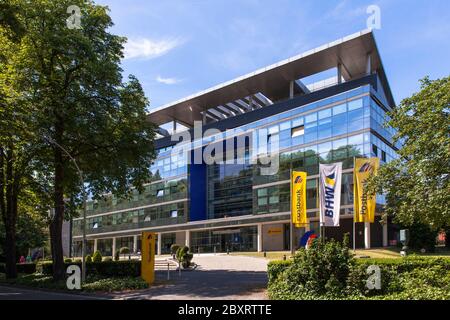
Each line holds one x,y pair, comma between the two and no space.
184,256
97,257
88,259
125,268
117,255
27,268
174,248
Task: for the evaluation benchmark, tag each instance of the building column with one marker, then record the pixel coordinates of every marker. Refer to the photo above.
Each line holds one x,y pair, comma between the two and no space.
95,245
260,238
113,247
291,89
307,226
367,235
385,234
339,73
368,64
135,241
187,239
158,250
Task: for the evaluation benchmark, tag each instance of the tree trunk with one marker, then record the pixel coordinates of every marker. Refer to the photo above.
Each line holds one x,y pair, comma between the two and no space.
10,253
57,221
9,190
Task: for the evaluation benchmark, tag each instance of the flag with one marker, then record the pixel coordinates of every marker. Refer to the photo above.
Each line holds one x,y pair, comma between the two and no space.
364,204
330,178
298,198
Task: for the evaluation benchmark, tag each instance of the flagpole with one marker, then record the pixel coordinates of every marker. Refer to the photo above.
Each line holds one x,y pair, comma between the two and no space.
291,247
354,209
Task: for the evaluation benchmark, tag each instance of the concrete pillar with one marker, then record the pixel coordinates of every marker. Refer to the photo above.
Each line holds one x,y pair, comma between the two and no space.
114,247
339,73
95,245
385,235
367,235
291,89
204,117
187,241
158,250
368,64
307,226
135,241
260,238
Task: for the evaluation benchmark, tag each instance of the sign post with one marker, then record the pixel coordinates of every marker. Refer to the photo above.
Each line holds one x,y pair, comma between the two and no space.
148,257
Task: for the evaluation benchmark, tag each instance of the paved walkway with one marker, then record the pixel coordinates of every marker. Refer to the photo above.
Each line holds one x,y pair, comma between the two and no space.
222,277
19,293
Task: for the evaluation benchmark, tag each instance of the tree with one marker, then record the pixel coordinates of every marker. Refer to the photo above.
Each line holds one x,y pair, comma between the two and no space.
80,103
417,183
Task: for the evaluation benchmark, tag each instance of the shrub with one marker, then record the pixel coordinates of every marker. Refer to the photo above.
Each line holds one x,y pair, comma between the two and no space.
26,268
314,274
322,270
276,267
124,268
67,260
117,255
88,259
97,257
116,284
124,250
422,237
174,248
184,256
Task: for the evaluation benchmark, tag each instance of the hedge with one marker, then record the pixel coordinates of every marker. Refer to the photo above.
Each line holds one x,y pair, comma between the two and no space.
276,267
402,278
27,268
128,268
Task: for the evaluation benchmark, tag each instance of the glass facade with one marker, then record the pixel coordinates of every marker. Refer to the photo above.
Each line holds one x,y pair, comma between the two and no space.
334,129
224,240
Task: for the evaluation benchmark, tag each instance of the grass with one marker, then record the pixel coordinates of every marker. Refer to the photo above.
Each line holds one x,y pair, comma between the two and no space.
390,252
270,255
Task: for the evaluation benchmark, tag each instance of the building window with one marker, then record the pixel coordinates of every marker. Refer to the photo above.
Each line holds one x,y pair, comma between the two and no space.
383,156
297,131
160,193
174,213
375,150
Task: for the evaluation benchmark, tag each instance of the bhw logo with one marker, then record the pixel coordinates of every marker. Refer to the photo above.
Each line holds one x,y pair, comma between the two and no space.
330,182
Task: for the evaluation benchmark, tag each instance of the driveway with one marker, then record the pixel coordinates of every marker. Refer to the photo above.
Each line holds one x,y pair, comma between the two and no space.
222,277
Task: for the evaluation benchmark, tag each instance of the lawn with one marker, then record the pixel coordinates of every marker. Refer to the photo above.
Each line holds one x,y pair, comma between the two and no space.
390,252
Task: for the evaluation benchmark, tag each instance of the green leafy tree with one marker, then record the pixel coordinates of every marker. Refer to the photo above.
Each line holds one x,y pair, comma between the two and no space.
417,183
78,101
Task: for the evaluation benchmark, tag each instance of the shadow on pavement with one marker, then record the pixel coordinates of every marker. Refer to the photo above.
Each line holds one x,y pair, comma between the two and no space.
202,284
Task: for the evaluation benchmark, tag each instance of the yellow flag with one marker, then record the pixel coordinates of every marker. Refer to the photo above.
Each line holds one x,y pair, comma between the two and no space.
298,196
364,204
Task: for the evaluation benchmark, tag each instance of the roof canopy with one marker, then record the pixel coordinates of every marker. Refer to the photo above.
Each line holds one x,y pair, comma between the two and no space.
351,52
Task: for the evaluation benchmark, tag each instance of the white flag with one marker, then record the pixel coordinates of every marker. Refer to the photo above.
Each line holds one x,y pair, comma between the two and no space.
330,177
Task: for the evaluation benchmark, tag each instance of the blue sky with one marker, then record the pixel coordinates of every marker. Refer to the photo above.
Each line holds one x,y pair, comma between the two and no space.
177,48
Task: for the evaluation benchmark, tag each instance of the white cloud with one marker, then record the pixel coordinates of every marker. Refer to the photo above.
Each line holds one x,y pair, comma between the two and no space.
147,48
167,80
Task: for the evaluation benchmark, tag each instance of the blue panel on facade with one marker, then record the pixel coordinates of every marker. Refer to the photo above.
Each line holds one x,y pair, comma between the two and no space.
197,191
